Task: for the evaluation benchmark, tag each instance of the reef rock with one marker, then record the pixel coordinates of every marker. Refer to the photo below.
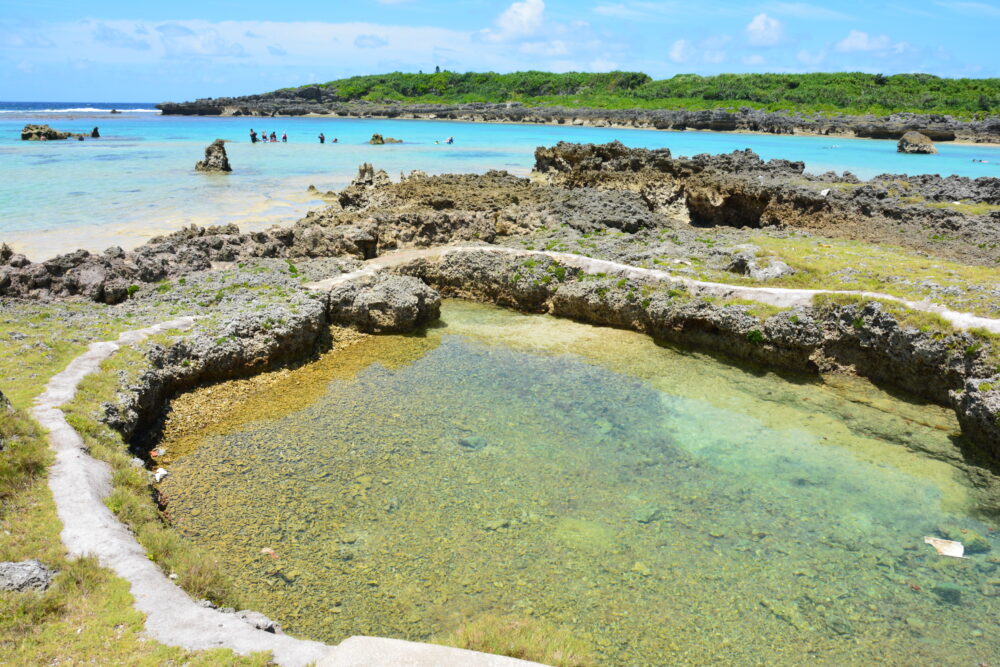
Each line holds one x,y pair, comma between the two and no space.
915,143
384,304
25,575
216,159
377,140
45,133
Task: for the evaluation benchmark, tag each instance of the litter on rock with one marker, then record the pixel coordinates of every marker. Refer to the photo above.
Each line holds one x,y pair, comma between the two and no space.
946,547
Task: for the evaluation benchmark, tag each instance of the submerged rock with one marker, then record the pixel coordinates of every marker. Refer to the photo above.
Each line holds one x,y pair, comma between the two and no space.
25,575
915,143
216,159
948,592
472,443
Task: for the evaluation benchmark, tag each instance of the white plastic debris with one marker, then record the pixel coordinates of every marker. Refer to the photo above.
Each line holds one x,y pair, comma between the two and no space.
946,547
824,192
160,474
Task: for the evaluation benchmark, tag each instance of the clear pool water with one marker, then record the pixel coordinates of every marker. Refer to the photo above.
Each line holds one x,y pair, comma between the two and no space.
661,506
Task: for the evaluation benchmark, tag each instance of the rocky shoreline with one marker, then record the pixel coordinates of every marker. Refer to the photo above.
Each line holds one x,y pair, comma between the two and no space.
314,100
618,203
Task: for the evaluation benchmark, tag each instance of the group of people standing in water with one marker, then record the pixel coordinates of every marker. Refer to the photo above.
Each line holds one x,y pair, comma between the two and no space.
265,138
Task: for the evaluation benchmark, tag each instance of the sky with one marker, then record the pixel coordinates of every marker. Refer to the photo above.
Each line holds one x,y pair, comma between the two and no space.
67,50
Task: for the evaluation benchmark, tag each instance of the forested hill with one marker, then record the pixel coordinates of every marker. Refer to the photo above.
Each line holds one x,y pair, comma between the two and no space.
842,92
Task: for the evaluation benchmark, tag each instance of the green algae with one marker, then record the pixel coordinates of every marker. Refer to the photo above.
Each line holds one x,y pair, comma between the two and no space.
657,505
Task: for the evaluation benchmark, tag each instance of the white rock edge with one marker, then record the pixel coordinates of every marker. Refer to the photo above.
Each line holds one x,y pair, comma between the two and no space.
79,484
781,297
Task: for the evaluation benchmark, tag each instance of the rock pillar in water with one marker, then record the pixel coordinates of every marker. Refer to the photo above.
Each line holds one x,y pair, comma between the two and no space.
216,159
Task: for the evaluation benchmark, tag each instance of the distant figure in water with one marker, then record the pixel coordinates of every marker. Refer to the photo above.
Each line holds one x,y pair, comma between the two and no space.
322,138
284,137
253,136
450,140
334,140
274,138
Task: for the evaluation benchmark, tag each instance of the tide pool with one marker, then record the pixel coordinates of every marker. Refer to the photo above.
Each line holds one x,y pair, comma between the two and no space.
656,505
138,180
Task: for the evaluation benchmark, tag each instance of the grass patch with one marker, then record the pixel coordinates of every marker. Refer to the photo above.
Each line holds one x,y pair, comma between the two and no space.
824,263
523,638
86,615
966,208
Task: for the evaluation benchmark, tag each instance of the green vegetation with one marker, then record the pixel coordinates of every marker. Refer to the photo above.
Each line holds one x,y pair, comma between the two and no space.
843,92
86,615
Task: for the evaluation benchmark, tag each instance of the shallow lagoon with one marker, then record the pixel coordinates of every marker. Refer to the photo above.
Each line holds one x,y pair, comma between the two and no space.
664,507
138,180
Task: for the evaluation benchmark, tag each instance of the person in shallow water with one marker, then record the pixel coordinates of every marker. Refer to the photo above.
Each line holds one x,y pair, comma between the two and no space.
284,137
253,136
274,138
322,138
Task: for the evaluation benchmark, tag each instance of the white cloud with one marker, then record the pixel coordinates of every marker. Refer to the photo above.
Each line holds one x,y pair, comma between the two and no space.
520,20
680,51
857,40
753,59
369,42
764,30
713,57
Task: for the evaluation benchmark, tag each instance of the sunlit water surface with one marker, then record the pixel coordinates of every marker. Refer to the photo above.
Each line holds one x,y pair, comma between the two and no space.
662,506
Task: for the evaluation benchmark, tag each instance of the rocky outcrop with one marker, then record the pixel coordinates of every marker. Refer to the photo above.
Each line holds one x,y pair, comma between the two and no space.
378,140
28,575
915,143
741,190
384,304
46,133
320,100
215,160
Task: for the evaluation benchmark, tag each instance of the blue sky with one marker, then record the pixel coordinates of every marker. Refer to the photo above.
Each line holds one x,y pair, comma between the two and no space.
66,50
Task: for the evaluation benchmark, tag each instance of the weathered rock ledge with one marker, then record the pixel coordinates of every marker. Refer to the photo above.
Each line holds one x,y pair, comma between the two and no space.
318,101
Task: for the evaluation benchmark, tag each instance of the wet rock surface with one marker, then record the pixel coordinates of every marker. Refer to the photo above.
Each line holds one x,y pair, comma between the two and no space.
24,576
216,159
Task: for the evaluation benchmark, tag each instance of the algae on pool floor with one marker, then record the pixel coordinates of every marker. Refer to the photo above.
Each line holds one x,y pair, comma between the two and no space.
659,506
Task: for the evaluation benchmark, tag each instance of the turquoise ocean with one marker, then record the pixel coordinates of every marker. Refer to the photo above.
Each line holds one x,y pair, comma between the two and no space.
138,179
